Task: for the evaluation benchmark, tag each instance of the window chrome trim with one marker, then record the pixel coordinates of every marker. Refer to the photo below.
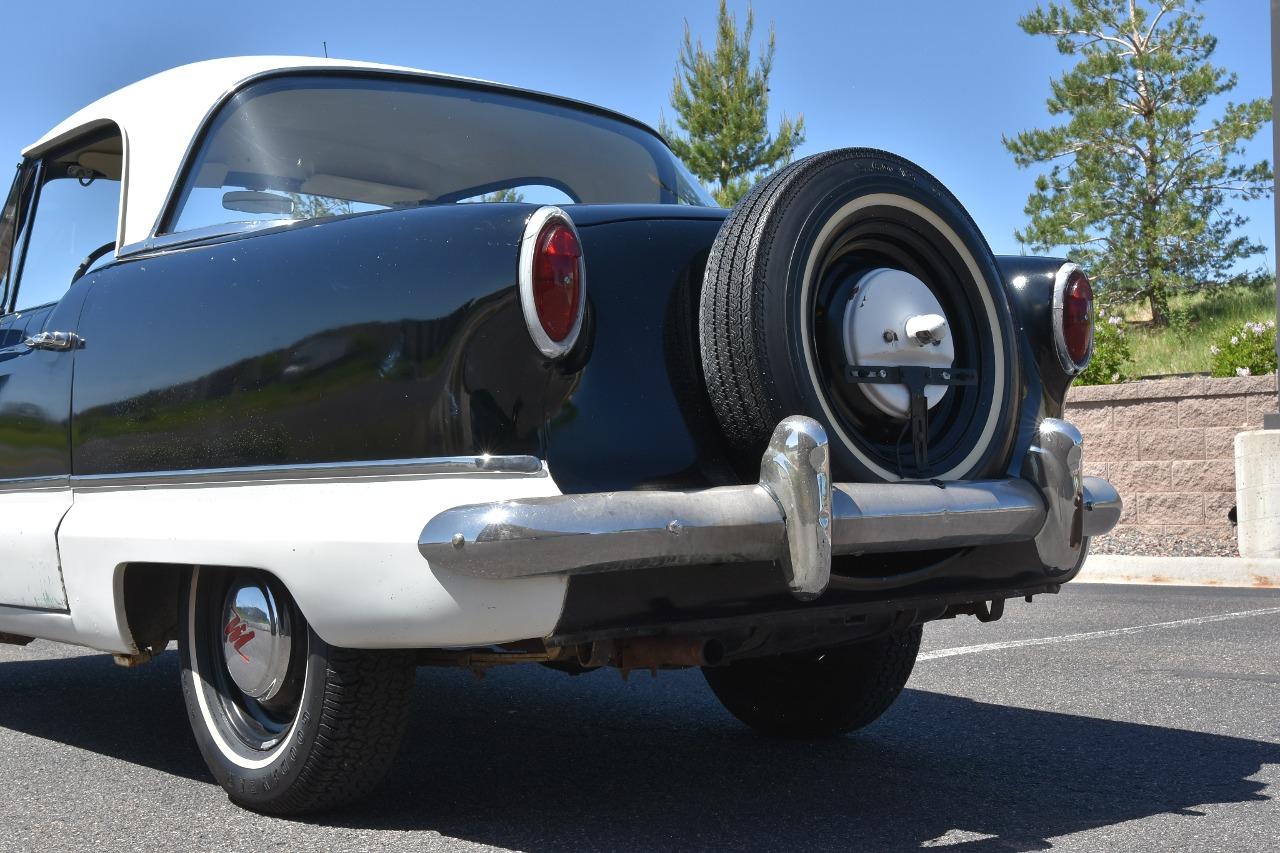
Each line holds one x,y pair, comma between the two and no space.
208,234
389,469
90,133
1070,365
528,247
25,174
23,223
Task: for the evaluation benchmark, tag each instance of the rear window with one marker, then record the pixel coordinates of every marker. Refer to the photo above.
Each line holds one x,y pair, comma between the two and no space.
305,147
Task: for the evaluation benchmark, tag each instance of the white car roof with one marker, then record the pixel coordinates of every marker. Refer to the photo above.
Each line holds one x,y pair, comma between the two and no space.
160,115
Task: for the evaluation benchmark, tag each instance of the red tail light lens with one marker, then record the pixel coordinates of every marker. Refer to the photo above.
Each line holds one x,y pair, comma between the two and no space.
1077,317
552,281
557,280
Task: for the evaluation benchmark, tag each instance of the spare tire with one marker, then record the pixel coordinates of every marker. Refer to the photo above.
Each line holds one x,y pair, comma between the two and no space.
822,265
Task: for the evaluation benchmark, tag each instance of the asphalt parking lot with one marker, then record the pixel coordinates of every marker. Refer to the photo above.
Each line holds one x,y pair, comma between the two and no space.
1020,735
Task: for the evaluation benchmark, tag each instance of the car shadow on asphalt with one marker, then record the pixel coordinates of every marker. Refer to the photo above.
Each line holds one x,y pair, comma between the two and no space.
538,760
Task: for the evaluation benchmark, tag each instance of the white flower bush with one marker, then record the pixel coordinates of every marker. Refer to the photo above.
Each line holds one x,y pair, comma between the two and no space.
1249,351
1111,356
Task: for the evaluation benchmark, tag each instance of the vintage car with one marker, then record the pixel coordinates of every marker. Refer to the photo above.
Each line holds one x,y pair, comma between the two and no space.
327,370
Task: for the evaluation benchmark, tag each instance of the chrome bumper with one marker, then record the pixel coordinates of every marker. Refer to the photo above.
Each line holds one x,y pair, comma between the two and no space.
794,515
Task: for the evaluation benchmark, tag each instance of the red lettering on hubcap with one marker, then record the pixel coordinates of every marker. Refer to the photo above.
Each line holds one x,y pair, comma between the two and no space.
238,634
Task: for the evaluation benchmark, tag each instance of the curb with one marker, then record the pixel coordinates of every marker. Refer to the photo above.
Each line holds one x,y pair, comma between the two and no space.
1182,571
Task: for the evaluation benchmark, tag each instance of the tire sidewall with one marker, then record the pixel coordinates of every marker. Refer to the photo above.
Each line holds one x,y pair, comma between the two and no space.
824,185
251,786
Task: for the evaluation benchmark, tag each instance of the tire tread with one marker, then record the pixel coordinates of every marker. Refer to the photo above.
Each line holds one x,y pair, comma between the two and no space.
364,712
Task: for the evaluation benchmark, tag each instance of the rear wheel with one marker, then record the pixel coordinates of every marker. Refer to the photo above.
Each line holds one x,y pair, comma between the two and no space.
818,693
286,722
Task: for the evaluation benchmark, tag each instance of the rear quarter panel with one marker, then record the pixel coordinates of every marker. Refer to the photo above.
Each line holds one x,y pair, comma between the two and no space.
392,335
636,414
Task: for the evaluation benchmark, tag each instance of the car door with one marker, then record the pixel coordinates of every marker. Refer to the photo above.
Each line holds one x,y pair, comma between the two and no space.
58,213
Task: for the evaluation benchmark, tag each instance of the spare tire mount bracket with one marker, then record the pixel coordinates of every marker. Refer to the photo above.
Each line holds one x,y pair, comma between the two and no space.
915,378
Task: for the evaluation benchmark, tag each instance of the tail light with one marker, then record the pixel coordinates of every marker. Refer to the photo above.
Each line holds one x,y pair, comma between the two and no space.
557,279
552,281
1073,318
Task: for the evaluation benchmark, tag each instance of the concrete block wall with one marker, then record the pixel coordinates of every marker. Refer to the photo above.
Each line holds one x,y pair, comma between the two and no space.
1167,445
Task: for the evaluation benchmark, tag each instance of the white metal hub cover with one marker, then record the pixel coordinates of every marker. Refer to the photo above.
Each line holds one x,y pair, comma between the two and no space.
894,320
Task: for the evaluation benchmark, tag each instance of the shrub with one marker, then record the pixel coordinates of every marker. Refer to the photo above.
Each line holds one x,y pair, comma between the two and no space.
1111,357
1247,351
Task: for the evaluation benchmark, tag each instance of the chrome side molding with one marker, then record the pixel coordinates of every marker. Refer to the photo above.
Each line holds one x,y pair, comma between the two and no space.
380,469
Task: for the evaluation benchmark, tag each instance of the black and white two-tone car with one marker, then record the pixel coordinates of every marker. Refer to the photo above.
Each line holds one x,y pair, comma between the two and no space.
327,370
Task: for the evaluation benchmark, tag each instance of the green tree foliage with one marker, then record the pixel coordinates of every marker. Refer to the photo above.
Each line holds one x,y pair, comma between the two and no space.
306,206
722,105
508,195
1139,183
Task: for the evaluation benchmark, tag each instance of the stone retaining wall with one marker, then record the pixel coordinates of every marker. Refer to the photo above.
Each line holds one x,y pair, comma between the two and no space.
1167,445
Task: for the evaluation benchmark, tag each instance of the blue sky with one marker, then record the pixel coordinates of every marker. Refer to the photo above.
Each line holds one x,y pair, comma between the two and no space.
937,81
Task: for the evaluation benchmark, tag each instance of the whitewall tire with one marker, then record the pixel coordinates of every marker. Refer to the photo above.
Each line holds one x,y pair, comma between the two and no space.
787,282
287,723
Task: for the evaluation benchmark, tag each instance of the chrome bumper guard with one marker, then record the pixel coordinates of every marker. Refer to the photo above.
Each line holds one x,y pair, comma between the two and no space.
794,515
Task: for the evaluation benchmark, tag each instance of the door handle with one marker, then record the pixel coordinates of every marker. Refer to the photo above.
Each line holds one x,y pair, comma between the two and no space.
57,341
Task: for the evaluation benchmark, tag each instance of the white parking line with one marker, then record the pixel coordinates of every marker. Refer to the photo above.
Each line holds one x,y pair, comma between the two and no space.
1089,635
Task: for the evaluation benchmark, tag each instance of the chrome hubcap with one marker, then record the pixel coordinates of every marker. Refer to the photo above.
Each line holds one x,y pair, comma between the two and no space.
256,641
895,320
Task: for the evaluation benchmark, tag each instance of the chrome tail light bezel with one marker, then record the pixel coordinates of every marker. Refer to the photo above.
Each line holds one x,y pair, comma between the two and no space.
1061,279
533,229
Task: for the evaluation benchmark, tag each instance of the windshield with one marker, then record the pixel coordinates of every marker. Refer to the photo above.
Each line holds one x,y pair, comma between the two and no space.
305,147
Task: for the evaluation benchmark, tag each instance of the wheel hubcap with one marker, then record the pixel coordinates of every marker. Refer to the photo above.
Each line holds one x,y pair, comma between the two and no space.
256,640
893,319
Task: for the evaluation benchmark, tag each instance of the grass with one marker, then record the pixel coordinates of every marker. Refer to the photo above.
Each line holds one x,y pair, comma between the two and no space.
1183,347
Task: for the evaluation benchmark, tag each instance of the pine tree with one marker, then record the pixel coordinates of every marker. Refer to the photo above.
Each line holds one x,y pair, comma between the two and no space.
307,206
722,107
1138,183
508,195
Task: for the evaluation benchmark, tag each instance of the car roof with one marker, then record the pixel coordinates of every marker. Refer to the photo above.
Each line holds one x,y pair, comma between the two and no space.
159,116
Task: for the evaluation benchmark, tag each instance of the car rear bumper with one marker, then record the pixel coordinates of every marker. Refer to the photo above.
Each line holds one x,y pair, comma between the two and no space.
795,516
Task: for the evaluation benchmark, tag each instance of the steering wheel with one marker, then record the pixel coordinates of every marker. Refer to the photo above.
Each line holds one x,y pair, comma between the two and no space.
88,261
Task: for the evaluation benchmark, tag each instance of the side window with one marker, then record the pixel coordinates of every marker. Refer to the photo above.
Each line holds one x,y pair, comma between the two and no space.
75,216
16,202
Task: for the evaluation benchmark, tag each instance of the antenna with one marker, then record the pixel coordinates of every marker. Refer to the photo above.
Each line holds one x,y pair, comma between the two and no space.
326,49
